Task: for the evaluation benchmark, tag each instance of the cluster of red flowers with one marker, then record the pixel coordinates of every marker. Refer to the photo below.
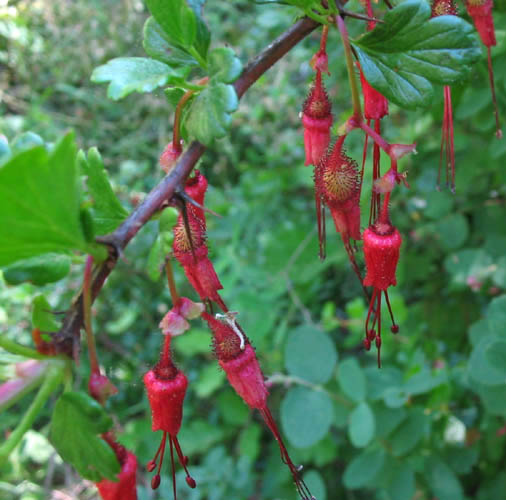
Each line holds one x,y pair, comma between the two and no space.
338,185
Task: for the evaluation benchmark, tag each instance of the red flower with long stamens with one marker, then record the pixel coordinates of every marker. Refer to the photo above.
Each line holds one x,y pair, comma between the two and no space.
190,247
237,358
481,12
447,155
382,242
166,387
124,488
337,182
317,120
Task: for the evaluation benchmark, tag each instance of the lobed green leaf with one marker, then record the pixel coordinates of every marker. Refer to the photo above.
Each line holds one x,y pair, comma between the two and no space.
39,204
106,211
132,74
404,56
209,117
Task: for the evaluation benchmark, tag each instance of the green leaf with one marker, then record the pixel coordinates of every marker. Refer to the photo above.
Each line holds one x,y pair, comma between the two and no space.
25,141
496,316
224,65
310,354
132,74
5,150
352,379
306,416
442,480
452,231
210,379
363,468
405,55
480,367
39,204
495,353
409,433
402,484
176,18
469,263
158,45
361,425
210,115
42,316
107,212
38,270
316,484
75,427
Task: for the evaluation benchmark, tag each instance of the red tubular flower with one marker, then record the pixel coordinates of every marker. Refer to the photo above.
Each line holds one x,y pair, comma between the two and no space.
124,488
317,120
382,243
166,388
446,8
237,358
337,184
481,12
190,248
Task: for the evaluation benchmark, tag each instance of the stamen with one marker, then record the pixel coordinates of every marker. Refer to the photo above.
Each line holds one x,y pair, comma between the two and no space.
395,326
183,460
498,132
300,485
378,336
155,481
173,467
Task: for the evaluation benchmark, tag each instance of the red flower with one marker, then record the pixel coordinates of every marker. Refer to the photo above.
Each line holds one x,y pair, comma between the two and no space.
382,243
337,184
375,103
124,488
190,248
237,358
166,388
317,120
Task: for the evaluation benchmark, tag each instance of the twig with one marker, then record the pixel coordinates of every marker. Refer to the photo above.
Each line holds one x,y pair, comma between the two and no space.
119,239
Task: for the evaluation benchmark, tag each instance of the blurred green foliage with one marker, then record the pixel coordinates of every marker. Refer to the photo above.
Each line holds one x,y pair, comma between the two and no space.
429,424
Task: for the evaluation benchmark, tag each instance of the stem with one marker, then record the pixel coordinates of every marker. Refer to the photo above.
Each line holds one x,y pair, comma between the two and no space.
51,382
323,41
355,96
498,131
92,349
172,284
21,350
202,62
165,357
376,137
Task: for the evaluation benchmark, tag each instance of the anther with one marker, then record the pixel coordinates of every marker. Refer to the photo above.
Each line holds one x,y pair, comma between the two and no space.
150,466
155,481
394,328
191,482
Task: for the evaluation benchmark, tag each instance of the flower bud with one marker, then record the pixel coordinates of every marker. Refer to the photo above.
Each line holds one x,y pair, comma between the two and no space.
170,155
317,120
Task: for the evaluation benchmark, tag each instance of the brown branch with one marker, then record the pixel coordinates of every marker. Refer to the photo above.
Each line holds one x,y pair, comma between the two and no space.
119,239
